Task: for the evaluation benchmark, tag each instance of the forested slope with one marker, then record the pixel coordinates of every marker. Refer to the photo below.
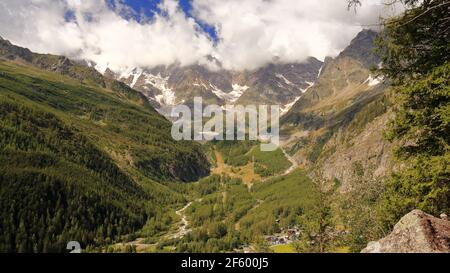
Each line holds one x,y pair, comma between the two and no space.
85,160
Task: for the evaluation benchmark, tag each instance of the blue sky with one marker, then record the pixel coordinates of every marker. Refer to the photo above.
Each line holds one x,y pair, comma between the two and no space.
149,7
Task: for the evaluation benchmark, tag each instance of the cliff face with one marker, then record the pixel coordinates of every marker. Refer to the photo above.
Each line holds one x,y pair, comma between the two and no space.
364,155
336,129
416,232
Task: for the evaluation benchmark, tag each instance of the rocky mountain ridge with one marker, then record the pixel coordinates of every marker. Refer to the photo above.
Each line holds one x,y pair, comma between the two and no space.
336,128
280,84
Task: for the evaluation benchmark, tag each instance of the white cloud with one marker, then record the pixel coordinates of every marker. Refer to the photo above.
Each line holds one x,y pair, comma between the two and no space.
251,32
101,35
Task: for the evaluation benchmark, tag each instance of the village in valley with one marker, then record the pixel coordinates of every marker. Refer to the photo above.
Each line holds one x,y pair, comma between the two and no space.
285,237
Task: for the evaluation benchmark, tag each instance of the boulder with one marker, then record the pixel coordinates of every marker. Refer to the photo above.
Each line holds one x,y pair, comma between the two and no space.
416,232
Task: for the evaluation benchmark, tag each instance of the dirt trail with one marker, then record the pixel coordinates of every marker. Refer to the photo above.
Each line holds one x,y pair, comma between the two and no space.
292,160
237,226
221,167
183,227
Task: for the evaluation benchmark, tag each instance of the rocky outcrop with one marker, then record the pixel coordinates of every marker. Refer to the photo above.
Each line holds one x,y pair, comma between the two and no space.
53,63
10,51
416,232
358,156
361,49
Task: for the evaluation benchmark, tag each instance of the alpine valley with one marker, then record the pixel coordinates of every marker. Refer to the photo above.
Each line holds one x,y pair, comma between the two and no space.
86,155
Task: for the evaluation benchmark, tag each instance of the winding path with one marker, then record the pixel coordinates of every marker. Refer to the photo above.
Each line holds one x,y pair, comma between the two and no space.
184,223
292,160
183,229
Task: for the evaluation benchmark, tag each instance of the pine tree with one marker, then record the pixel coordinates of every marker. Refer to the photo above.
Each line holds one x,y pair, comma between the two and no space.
415,49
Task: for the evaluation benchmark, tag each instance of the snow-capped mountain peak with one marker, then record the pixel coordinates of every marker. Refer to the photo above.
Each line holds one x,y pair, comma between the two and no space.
281,84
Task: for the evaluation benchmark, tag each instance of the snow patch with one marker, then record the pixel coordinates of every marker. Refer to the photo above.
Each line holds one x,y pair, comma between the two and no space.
167,96
311,84
320,72
219,93
101,68
231,97
238,91
135,73
289,106
280,76
90,64
371,81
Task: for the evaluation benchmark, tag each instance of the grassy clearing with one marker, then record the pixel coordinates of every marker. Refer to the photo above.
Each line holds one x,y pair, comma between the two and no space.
284,200
288,248
269,163
246,173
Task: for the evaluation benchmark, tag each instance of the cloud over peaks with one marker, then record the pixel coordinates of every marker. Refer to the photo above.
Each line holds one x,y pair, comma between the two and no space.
250,33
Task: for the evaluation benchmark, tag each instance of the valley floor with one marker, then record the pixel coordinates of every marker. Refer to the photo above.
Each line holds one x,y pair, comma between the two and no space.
236,210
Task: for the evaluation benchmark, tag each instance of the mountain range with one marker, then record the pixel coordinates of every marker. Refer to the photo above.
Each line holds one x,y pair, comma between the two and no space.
164,86
86,156
323,104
